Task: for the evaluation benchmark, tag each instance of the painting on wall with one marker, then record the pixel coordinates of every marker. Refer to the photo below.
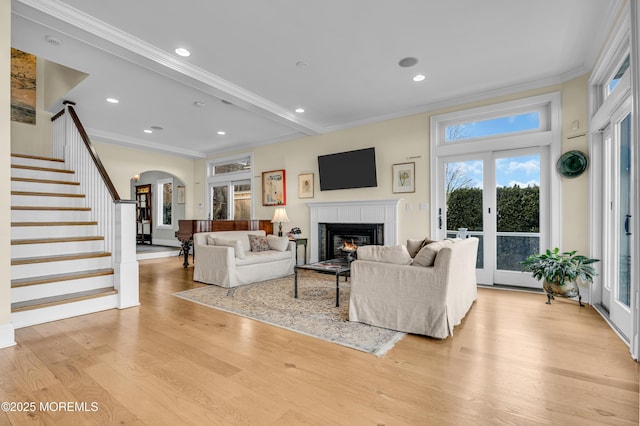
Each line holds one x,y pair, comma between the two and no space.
305,185
404,179
23,87
274,188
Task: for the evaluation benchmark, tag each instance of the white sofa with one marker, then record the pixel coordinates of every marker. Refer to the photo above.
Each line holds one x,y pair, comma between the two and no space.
428,300
223,266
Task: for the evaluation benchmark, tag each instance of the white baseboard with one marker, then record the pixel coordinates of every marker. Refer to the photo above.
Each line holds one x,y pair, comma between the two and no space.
169,243
7,335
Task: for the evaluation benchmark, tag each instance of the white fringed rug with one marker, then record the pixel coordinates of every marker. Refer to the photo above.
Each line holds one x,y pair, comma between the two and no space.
314,312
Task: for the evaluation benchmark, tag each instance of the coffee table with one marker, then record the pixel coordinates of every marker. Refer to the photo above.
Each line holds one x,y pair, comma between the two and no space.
333,266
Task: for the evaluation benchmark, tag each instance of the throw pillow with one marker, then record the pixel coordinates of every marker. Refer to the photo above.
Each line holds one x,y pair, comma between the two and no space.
414,246
278,243
427,254
385,254
236,244
258,242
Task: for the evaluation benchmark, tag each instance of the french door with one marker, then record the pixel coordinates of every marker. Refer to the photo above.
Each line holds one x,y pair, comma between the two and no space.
230,200
499,197
617,256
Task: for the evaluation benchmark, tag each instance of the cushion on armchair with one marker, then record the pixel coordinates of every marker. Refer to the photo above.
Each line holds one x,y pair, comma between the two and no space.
385,254
414,246
277,243
427,254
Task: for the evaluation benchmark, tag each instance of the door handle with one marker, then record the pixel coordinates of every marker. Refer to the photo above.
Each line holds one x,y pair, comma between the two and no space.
626,224
440,218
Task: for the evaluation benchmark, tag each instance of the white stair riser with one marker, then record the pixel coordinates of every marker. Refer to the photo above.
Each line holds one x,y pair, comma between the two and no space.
50,268
33,292
29,232
59,188
42,174
33,162
50,216
39,201
67,310
51,249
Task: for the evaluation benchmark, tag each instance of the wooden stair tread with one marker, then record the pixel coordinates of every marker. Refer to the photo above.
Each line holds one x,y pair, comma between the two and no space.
81,223
62,299
45,208
41,169
55,240
57,182
47,194
38,157
54,278
58,258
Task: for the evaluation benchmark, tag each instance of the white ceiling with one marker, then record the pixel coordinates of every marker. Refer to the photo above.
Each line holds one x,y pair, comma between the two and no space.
246,51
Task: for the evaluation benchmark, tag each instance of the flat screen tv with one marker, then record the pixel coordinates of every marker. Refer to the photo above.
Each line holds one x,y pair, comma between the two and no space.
351,169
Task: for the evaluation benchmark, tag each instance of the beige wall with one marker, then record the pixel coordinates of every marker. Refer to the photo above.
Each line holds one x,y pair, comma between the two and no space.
122,163
5,165
407,139
34,139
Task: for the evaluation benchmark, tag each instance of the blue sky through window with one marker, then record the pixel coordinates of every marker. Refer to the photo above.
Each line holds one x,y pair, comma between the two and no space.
522,171
493,126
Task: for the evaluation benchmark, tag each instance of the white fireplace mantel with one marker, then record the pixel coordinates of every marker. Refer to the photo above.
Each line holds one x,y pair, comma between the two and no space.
370,211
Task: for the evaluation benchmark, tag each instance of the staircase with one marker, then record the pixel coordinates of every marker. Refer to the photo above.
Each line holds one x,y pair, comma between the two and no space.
59,266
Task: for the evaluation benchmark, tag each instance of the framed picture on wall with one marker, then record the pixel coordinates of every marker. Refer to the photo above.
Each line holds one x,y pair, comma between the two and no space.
404,177
305,185
180,194
274,188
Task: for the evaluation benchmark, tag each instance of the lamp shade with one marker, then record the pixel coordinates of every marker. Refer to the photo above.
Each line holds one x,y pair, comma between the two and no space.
280,216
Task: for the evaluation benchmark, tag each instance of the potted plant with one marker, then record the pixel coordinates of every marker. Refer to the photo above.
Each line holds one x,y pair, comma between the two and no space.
559,271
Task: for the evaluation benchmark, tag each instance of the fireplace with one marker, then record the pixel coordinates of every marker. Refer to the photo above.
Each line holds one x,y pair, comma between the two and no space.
383,214
333,236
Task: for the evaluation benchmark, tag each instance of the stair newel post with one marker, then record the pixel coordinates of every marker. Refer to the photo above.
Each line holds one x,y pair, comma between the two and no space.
125,263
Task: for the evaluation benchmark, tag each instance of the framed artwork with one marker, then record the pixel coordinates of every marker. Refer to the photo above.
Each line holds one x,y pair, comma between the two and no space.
404,177
305,185
180,194
274,188
23,87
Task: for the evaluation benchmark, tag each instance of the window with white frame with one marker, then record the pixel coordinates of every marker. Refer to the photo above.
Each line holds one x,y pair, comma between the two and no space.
229,188
165,203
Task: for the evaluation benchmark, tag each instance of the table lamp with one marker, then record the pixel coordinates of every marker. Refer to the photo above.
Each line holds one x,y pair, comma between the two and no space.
280,216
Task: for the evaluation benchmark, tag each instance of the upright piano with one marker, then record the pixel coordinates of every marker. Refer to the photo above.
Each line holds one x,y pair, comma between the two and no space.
186,229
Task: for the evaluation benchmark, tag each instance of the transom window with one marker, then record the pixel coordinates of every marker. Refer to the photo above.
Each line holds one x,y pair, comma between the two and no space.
507,124
615,79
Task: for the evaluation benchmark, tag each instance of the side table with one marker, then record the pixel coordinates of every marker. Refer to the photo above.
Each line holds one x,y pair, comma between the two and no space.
300,242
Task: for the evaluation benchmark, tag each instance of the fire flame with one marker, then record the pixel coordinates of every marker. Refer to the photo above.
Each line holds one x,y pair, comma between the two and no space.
349,246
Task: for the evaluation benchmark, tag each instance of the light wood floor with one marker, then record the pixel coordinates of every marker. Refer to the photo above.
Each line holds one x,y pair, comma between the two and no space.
514,360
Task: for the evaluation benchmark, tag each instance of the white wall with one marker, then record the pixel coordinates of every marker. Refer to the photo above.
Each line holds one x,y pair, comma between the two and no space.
6,329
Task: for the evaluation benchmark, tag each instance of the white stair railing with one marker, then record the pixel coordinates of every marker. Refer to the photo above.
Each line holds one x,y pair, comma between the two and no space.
115,217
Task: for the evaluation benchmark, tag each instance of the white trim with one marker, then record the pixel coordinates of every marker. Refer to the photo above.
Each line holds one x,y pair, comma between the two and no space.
167,243
635,143
366,211
551,137
122,140
7,335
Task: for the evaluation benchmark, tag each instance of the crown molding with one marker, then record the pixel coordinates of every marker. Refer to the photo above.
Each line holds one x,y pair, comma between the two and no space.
117,37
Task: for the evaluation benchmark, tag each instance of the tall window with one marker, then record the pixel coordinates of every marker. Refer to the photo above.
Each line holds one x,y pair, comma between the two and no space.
229,188
165,203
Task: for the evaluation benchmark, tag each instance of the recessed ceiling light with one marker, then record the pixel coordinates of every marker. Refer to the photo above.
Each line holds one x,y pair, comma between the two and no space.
112,100
148,131
419,77
156,128
183,52
408,62
222,132
299,110
199,104
301,64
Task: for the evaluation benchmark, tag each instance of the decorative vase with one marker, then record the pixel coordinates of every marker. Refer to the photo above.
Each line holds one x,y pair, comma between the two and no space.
568,289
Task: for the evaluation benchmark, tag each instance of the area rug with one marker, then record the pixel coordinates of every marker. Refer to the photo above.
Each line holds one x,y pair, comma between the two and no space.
314,312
